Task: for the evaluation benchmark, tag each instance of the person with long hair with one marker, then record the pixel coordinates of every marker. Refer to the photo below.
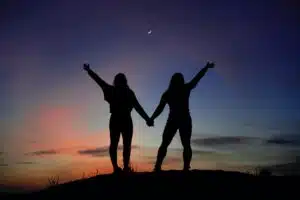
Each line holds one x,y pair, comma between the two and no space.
177,97
121,100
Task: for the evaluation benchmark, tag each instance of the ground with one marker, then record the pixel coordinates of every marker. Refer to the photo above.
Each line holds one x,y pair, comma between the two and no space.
170,184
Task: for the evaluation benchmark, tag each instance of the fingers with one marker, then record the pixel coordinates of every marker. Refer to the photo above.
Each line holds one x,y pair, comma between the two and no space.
86,66
210,64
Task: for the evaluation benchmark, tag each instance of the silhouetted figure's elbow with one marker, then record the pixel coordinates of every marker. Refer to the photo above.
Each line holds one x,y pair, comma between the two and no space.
104,86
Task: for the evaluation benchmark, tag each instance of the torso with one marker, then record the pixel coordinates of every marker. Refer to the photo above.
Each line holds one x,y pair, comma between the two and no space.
178,101
120,100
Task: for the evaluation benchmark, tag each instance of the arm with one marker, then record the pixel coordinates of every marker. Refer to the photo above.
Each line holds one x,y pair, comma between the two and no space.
137,106
193,83
95,77
159,108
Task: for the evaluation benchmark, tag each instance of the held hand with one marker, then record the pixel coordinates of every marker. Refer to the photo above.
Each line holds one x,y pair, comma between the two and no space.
150,122
210,65
86,66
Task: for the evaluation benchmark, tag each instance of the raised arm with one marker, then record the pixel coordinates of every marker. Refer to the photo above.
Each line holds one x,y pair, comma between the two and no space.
193,83
159,108
95,77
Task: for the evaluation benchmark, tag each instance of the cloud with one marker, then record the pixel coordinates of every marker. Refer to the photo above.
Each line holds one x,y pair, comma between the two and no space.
195,151
240,141
101,151
43,152
207,153
226,140
292,140
290,168
173,160
167,160
279,141
175,156
25,163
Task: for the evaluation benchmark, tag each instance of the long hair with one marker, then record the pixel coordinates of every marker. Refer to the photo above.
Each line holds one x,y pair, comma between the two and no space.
120,80
176,82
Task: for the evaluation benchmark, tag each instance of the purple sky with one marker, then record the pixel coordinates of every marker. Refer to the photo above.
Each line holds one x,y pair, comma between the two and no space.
253,90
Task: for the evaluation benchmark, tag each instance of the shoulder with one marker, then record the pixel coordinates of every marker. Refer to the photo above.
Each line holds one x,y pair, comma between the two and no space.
188,87
130,92
165,95
108,88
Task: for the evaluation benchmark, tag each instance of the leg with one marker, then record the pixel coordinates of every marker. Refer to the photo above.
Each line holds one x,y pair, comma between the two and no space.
114,141
168,134
185,131
127,138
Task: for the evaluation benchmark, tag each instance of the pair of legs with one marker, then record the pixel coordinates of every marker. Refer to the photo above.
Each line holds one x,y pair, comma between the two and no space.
120,125
184,125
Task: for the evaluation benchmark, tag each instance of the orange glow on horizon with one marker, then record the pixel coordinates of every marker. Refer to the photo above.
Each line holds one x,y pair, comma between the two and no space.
79,167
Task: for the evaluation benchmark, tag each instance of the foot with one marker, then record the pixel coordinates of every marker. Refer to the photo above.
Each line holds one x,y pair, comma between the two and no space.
186,169
157,169
128,170
117,170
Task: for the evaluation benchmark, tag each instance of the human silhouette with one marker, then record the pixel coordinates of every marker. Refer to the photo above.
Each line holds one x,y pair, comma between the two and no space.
121,100
177,97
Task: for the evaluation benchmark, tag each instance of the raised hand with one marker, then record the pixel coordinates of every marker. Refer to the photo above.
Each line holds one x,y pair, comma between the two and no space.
86,66
210,65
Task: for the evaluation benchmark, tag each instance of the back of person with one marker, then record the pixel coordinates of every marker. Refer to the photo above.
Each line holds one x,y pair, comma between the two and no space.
120,100
178,101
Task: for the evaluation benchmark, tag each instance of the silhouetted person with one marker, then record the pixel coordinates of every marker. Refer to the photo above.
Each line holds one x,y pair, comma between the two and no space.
121,100
177,97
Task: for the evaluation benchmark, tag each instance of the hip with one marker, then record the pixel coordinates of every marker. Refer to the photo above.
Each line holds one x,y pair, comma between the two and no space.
179,117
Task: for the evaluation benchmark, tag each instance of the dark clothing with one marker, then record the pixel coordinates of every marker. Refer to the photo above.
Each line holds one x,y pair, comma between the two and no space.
120,99
179,119
178,101
120,126
121,102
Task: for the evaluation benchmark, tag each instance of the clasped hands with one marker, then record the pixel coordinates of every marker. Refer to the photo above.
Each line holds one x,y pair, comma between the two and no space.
150,122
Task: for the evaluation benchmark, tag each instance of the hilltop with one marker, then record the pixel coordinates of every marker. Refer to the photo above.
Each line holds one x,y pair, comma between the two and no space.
170,184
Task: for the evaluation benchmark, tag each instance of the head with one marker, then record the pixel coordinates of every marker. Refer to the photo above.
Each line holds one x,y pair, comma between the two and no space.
120,80
177,80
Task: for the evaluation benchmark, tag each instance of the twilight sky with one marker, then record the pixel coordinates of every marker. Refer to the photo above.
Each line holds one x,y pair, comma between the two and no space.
54,120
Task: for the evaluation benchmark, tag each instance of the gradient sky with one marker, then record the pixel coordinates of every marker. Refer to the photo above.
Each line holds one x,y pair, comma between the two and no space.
54,120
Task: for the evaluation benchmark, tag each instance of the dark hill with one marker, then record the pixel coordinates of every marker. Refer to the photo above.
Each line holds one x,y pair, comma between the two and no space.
169,184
